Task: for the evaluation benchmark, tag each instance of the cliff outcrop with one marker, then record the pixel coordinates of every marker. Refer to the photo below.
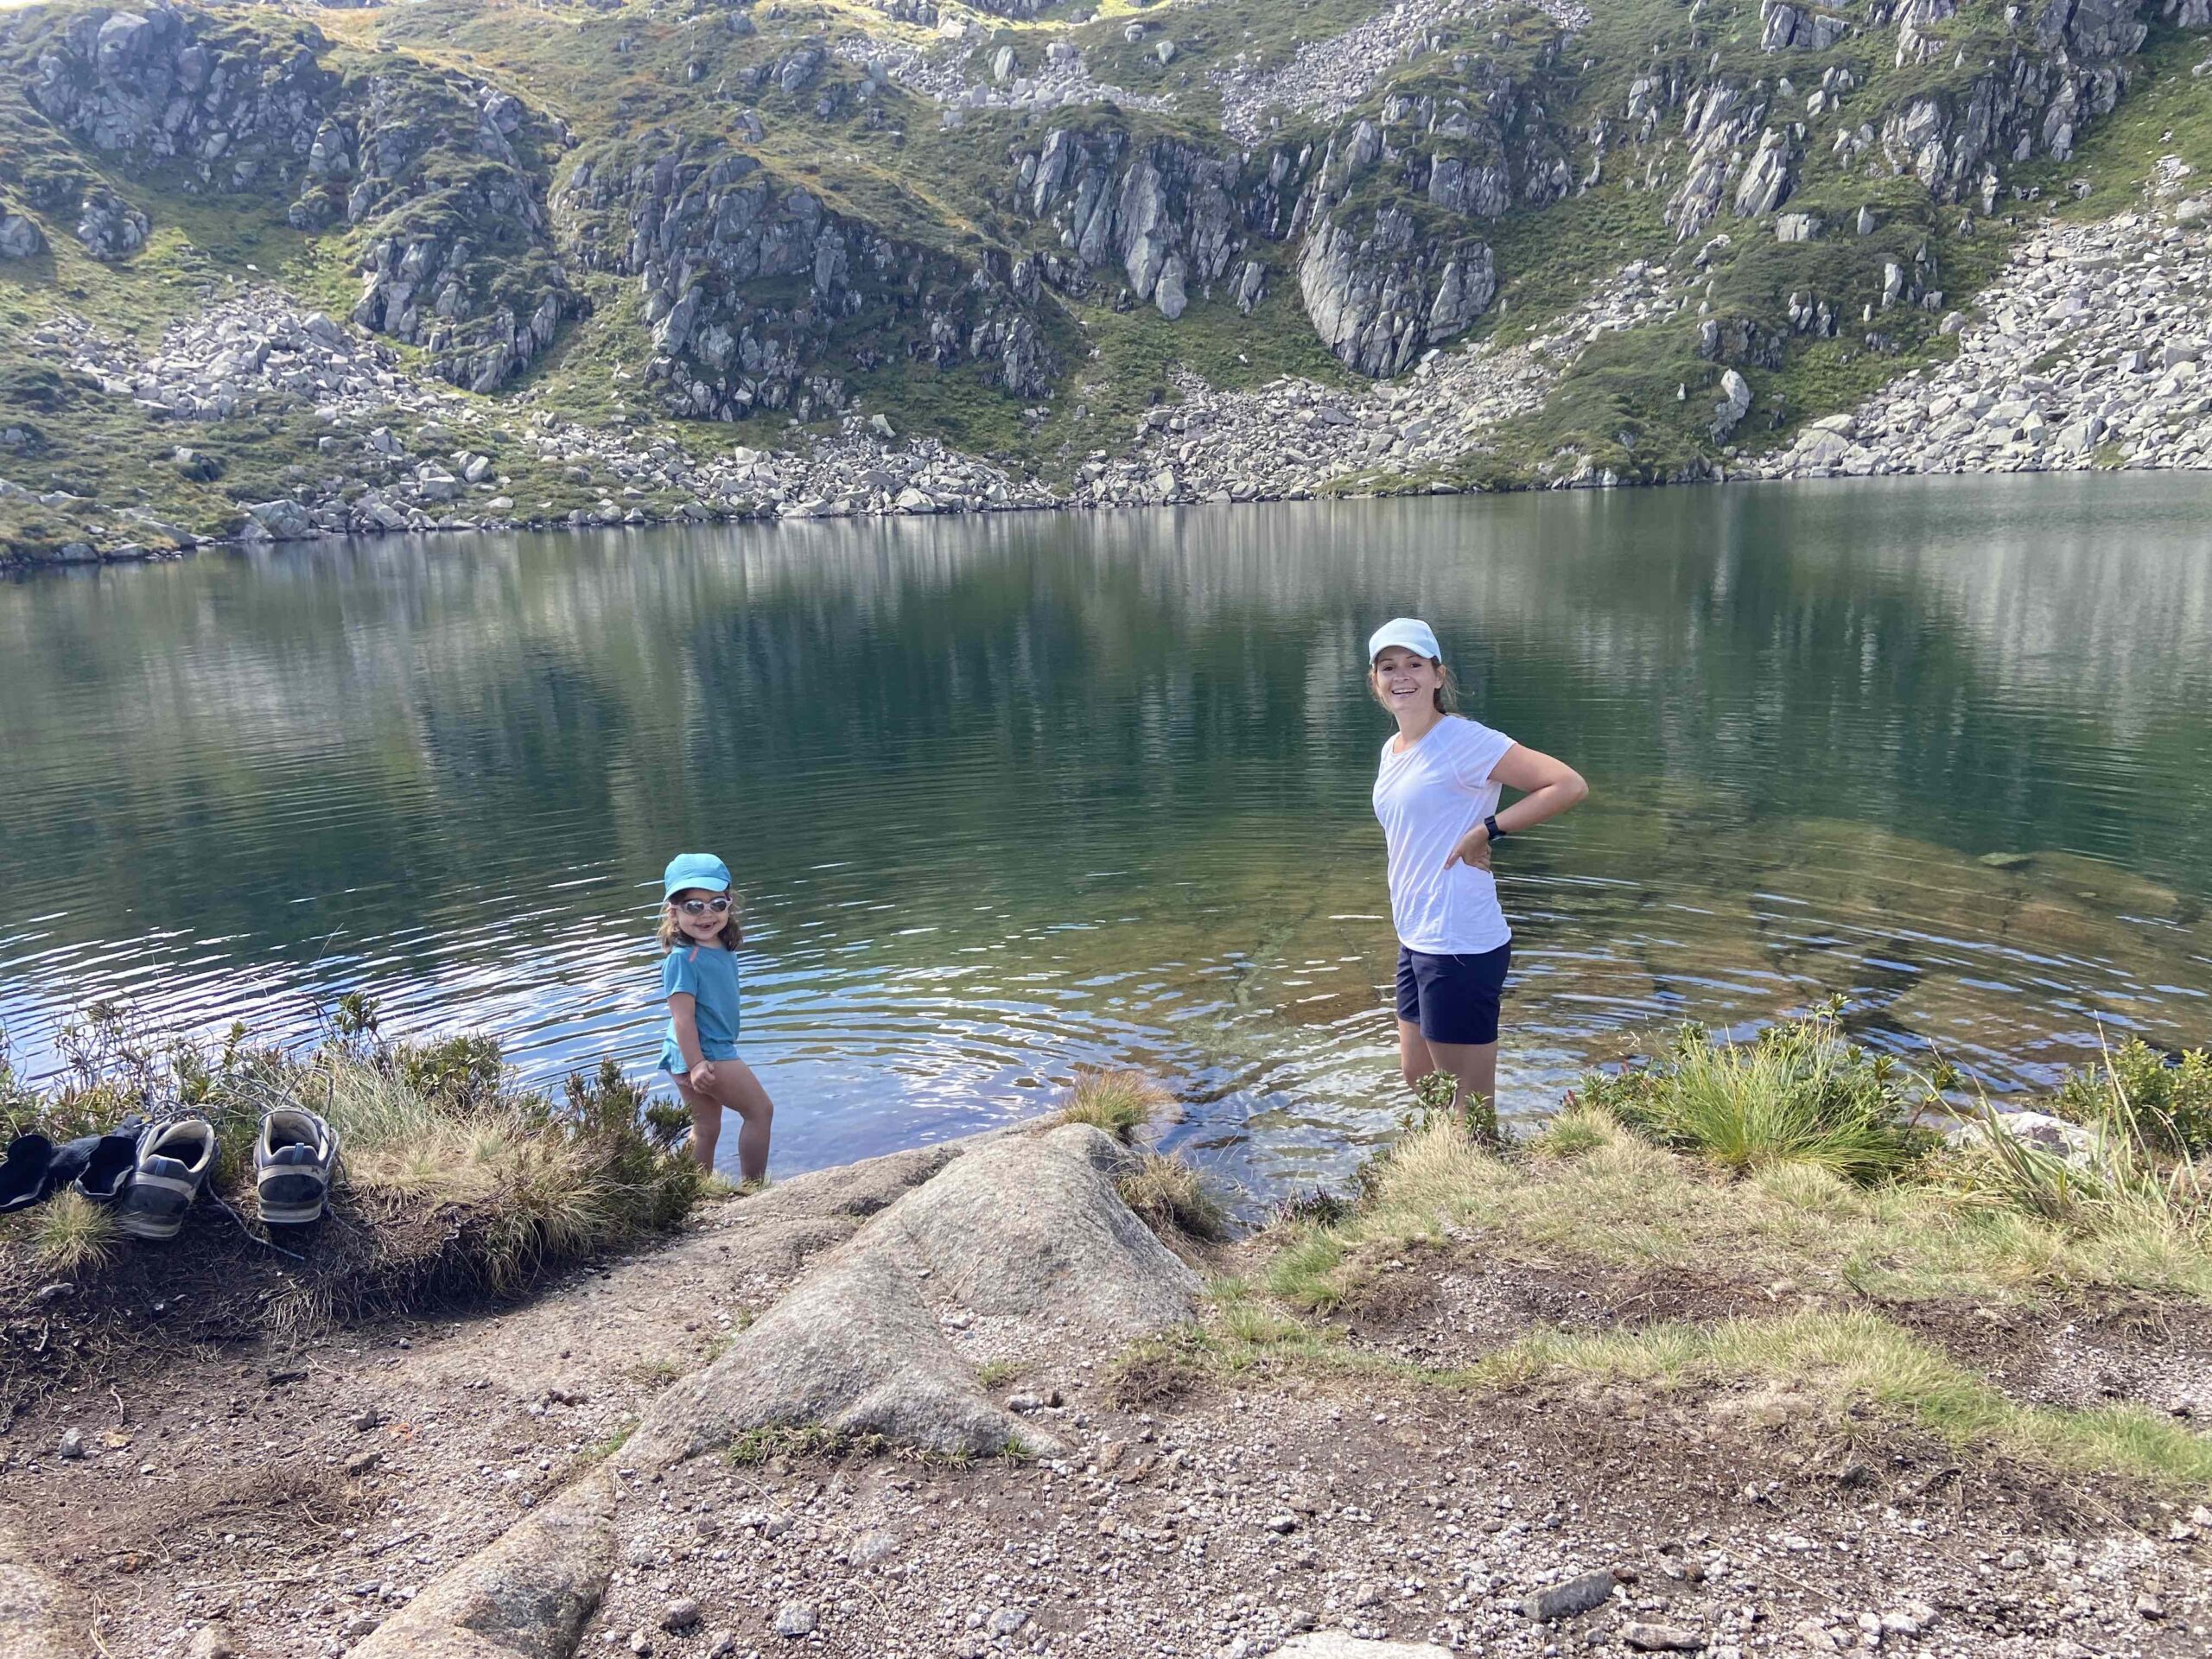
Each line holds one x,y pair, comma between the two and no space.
437,178
759,296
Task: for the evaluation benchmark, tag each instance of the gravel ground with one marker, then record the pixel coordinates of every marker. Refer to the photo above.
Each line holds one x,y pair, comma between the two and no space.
292,1502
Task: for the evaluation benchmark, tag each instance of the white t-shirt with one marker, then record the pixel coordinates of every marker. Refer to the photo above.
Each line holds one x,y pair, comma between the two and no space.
1428,797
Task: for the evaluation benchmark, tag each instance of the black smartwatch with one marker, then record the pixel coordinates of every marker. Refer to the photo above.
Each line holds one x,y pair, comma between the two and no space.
1491,824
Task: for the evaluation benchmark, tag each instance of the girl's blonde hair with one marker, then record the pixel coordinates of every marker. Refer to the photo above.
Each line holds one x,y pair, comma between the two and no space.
1447,695
671,936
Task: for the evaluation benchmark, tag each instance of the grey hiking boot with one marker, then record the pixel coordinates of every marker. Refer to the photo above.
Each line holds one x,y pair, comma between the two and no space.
172,1165
293,1161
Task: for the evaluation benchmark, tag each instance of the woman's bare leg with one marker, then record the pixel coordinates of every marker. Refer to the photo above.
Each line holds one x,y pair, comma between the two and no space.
1474,1067
1414,1061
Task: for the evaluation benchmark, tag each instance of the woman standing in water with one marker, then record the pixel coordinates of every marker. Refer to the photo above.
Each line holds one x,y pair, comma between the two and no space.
1437,795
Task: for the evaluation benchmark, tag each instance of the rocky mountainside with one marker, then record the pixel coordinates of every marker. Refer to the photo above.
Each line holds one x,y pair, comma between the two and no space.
1036,238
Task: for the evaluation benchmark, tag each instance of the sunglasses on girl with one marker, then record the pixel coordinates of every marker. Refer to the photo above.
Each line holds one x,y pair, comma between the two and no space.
702,906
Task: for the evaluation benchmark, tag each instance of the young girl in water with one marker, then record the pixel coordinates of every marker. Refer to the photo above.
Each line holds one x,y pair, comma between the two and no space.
699,932
1437,795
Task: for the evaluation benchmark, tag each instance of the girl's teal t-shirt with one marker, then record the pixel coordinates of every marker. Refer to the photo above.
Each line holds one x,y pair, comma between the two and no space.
707,974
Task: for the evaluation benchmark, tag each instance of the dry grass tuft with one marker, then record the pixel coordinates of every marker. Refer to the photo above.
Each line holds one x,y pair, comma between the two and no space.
70,1234
1167,1194
1119,1101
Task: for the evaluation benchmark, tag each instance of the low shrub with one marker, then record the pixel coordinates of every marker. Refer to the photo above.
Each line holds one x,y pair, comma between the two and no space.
1800,1092
2166,1103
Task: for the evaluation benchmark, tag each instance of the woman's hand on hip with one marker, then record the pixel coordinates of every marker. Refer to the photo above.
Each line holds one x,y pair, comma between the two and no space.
1473,849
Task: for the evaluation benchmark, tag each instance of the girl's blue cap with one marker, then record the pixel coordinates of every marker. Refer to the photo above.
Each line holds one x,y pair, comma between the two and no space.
695,870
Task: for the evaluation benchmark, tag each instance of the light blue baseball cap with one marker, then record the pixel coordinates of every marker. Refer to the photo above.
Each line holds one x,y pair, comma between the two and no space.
695,870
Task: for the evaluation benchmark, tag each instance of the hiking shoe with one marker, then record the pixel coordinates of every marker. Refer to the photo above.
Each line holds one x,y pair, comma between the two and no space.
171,1168
293,1161
22,1178
99,1165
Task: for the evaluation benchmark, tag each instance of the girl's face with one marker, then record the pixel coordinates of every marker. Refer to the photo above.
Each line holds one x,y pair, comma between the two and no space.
1405,680
696,918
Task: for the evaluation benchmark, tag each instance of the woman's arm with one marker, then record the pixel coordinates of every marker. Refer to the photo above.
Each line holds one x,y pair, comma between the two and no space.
1552,787
683,1009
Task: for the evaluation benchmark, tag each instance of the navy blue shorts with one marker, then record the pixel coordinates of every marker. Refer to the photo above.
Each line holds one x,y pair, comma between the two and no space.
1452,999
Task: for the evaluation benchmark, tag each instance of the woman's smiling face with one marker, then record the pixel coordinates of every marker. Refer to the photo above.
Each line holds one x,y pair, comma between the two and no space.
1404,679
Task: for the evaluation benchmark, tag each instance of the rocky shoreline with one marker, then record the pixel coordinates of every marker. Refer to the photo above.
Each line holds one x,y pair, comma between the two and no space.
2085,353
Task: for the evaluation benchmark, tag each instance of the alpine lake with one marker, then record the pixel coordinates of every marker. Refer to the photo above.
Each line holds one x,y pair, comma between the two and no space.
1013,794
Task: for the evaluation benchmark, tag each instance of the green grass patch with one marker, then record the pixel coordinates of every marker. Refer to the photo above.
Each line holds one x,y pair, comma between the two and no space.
1614,1197
1858,1359
1852,1363
1119,1101
1797,1095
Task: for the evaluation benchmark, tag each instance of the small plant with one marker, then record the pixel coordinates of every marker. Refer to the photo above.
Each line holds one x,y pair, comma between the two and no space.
2170,1100
108,1044
771,1440
1432,1099
70,1234
1169,1196
1320,1208
1119,1101
463,1072
354,1020
997,1373
1798,1093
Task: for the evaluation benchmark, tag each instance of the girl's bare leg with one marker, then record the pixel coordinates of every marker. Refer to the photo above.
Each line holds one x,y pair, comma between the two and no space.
738,1089
706,1124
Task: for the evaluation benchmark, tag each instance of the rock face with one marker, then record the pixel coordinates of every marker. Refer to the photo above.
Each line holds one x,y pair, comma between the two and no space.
36,1621
1380,295
529,1593
1029,1226
237,110
110,227
1026,1228
1384,283
441,182
752,287
456,257
20,236
1160,213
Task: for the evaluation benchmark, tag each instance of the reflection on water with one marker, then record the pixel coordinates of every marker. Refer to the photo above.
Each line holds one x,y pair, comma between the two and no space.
1012,795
